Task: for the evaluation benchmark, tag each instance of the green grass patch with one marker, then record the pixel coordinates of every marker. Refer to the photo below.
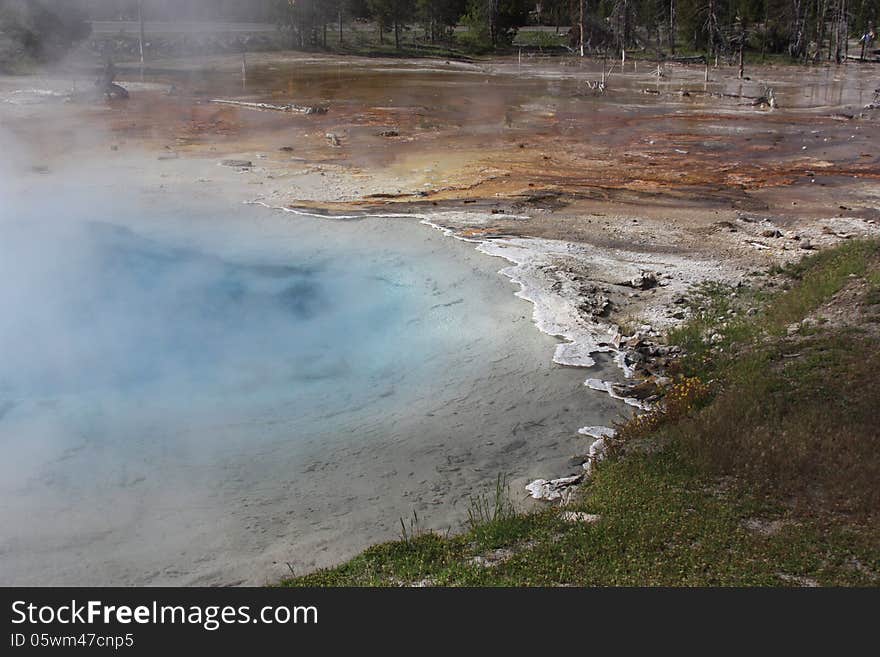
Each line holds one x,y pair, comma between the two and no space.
818,278
804,425
795,414
722,326
872,298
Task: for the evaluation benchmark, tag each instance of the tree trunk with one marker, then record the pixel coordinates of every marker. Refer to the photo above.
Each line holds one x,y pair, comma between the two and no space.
672,27
764,34
821,10
796,44
657,6
838,20
710,42
141,37
396,34
581,25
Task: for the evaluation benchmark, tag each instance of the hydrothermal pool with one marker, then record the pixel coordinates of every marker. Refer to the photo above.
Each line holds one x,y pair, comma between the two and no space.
198,393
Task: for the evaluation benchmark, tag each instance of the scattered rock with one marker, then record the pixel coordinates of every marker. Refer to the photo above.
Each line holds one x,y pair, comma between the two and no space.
423,583
491,559
597,432
805,244
389,133
763,527
768,99
771,232
598,452
237,164
640,391
286,149
798,580
828,230
596,304
333,139
644,281
580,516
114,91
542,489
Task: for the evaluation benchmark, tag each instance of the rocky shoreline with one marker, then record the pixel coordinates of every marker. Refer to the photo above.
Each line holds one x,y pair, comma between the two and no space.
575,286
573,306
579,292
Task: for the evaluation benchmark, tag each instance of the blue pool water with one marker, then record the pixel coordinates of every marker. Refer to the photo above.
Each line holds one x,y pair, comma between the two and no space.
200,392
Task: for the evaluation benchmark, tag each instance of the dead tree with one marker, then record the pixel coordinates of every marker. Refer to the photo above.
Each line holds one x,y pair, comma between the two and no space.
105,85
141,36
711,26
841,32
821,12
741,43
796,46
867,38
581,24
659,45
765,30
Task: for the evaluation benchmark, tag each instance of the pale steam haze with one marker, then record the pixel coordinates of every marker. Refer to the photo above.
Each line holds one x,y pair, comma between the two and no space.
194,390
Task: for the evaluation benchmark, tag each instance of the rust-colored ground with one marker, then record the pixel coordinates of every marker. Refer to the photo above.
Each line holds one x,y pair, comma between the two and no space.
666,169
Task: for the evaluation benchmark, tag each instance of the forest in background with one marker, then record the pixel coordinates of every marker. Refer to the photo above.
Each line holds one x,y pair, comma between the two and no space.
804,30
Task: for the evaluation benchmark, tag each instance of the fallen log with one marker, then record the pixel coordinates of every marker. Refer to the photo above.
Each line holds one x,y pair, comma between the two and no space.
864,60
296,109
696,59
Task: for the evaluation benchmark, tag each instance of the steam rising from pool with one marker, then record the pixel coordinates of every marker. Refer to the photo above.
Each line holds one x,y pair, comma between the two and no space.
192,392
100,307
